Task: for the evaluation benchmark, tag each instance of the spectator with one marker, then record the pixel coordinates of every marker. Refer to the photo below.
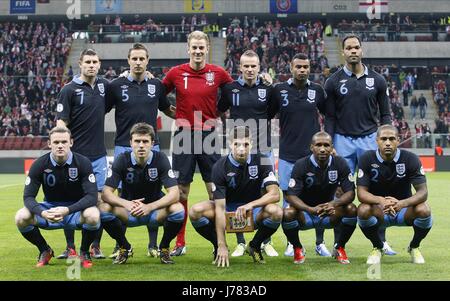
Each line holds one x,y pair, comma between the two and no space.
419,135
438,151
405,92
427,134
413,107
422,106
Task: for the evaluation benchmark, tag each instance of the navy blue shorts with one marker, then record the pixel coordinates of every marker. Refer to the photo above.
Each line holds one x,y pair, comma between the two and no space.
187,154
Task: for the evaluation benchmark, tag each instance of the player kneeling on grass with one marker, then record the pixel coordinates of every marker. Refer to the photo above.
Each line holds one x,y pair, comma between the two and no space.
241,183
141,202
311,192
70,196
384,184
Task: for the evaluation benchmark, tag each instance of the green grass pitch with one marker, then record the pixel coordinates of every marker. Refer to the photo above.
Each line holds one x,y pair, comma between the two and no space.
19,256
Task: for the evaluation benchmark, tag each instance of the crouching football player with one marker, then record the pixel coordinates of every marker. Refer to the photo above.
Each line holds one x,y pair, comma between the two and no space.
141,203
311,192
384,183
70,197
239,180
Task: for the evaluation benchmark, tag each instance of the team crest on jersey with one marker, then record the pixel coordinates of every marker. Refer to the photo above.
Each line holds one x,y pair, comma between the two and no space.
209,78
311,95
332,175
153,173
101,88
370,81
73,172
235,90
283,92
262,93
124,87
151,90
400,168
375,165
253,171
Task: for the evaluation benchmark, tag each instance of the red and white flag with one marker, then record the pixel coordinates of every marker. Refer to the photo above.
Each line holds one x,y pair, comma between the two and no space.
373,8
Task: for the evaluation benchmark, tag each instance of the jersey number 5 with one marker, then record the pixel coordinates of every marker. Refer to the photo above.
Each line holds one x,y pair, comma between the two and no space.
125,96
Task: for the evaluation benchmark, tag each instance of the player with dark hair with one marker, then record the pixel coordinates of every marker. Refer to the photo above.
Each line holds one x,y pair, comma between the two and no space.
142,172
311,195
299,103
70,197
249,101
81,107
355,97
137,98
239,179
384,183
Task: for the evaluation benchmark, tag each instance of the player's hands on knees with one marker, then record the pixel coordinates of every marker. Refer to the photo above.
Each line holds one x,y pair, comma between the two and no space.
140,209
327,209
60,211
399,206
318,210
241,212
222,259
266,79
52,215
393,207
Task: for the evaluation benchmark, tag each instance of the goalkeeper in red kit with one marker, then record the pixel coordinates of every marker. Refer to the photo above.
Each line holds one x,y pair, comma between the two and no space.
196,84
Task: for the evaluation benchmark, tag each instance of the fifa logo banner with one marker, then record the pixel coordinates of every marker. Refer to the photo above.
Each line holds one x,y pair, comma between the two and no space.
22,6
283,6
197,6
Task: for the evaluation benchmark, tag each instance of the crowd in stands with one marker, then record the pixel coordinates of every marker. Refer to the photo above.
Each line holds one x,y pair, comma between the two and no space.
276,44
401,84
394,25
32,63
440,97
147,29
33,57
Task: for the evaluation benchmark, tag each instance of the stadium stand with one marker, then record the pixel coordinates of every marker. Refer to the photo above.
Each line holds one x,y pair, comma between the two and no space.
31,75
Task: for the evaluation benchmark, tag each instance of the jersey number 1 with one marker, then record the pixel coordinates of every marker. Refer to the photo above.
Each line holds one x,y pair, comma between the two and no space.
185,82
